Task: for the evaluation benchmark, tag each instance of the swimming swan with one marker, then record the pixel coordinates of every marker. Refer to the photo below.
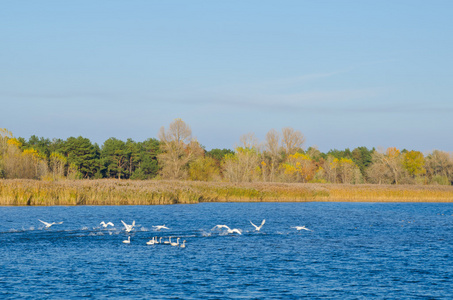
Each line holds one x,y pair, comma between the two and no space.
257,228
183,244
175,244
128,241
49,224
128,227
151,242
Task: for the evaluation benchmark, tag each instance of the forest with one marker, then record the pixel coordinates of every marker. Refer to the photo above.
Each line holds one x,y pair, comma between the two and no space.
176,155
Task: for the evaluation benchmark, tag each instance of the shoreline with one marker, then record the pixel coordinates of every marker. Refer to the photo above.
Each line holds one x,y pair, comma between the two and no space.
19,192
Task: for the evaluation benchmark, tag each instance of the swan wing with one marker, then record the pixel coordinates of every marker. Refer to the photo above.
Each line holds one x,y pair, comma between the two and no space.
127,227
256,227
262,223
45,223
221,226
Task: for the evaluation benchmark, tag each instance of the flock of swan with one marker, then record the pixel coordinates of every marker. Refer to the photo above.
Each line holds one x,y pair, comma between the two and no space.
155,240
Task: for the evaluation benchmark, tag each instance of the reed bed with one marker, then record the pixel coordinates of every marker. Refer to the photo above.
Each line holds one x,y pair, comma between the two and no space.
160,192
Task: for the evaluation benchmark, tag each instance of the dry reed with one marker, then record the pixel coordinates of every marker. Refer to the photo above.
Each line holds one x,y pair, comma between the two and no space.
158,192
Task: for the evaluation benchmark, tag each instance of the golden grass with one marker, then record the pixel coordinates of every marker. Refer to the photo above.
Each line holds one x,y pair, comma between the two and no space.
154,192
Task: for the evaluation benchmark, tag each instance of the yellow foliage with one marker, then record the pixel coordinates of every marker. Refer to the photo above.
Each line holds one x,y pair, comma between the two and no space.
414,162
14,142
335,162
298,167
392,152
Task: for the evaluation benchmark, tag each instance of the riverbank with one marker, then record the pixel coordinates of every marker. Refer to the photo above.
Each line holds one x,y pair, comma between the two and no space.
160,192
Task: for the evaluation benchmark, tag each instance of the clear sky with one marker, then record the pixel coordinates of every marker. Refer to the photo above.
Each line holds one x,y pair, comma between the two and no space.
344,73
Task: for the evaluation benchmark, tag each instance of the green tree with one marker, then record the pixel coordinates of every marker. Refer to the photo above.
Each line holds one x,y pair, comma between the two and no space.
115,157
150,149
83,155
362,157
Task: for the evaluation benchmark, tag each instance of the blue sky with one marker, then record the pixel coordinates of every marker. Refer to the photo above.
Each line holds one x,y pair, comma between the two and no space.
344,73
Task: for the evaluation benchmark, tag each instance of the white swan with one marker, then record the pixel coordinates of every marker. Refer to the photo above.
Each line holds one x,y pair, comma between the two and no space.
234,230
128,241
50,224
169,241
151,242
183,245
159,227
106,224
175,244
258,228
302,228
128,227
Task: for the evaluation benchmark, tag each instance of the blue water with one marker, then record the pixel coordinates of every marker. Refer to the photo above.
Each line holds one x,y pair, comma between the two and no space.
355,251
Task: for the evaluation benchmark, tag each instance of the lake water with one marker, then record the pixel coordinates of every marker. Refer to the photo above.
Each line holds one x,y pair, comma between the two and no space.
354,251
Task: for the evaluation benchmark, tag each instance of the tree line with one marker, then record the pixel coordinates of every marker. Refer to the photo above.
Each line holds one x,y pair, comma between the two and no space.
176,154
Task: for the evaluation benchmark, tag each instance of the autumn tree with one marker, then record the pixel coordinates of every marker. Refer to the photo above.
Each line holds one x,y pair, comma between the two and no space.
23,164
5,135
414,163
298,167
348,171
204,169
57,163
330,168
178,150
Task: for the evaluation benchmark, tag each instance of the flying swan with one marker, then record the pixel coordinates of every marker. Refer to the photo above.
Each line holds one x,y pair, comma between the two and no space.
258,228
49,224
106,224
234,230
302,228
128,227
159,227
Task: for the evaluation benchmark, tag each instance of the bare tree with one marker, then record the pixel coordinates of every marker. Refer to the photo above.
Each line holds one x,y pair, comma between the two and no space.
242,166
386,167
292,140
272,152
178,149
439,166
